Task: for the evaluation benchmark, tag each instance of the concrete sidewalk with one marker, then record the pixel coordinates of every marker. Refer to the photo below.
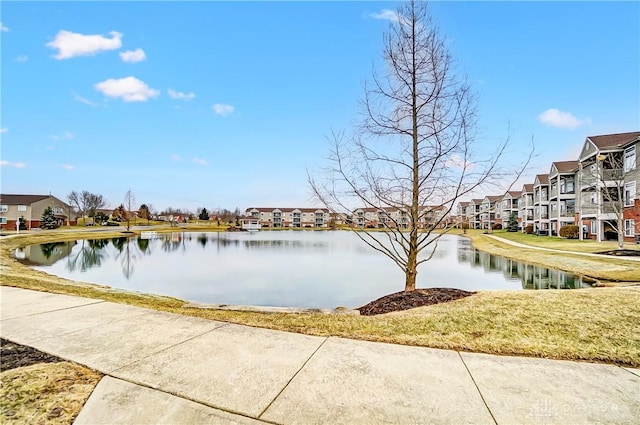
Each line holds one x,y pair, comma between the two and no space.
166,368
560,251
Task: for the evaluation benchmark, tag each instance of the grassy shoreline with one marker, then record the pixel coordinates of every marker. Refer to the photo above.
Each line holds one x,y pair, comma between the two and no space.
598,325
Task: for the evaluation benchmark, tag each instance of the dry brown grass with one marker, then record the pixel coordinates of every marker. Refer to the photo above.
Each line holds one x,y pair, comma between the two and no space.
591,324
45,393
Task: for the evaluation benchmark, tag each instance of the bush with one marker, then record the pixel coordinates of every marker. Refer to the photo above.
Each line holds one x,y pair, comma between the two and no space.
570,232
497,226
529,229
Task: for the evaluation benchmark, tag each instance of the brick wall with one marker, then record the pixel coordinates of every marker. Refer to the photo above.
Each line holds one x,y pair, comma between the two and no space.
633,213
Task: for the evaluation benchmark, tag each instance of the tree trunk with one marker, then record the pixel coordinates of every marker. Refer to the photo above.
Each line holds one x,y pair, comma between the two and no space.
411,272
620,232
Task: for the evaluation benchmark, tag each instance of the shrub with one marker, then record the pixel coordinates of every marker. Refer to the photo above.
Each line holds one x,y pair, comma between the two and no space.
497,226
570,232
529,229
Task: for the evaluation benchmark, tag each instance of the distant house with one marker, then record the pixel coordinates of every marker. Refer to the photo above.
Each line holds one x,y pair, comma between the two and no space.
29,209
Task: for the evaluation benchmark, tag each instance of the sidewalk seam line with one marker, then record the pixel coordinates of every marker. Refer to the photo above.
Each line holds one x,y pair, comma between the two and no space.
187,398
292,378
52,311
477,388
167,348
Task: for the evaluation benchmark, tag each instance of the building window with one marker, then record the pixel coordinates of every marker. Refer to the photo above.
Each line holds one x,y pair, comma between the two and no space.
22,207
593,197
4,208
630,159
629,194
594,227
57,210
3,220
629,227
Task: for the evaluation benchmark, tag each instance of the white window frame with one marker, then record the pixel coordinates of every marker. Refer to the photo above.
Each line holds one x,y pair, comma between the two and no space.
629,227
3,220
630,158
4,208
594,227
22,208
629,194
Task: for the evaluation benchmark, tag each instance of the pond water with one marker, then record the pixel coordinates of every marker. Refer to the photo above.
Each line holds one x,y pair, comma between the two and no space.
312,269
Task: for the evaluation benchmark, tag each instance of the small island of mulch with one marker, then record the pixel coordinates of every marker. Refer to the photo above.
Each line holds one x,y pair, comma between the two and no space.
15,355
406,300
621,252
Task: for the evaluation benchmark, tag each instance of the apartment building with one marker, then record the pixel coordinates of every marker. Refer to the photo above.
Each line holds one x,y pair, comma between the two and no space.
391,217
473,213
562,194
599,192
287,217
508,206
608,186
490,213
541,204
631,170
29,209
461,213
526,207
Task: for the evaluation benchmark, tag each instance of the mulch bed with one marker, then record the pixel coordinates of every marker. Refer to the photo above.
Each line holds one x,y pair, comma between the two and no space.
405,300
14,355
622,252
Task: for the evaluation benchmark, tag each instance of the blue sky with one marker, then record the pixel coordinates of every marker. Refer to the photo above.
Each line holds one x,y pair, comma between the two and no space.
228,104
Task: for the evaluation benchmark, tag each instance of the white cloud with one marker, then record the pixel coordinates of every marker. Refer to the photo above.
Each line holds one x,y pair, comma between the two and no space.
3,28
386,14
22,58
67,135
71,44
130,89
132,56
3,130
67,167
4,163
180,95
223,110
560,119
176,158
81,99
200,161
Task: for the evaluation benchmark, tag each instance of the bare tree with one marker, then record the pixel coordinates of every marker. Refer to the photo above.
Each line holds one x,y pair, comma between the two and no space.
129,202
75,202
613,190
86,203
412,157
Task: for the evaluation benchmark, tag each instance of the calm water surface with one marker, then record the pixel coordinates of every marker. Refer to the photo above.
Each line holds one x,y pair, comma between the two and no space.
321,269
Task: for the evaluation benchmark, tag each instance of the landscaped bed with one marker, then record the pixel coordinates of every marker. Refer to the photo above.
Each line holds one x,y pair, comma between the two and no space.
37,388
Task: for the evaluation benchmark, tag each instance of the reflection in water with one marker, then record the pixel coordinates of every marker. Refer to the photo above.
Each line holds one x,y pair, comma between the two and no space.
286,268
532,277
91,254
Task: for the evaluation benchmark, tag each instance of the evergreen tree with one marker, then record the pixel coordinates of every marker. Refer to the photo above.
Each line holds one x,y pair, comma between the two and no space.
512,225
204,214
48,220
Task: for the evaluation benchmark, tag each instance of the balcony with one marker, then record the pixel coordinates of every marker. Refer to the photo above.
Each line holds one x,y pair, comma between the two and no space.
607,175
605,208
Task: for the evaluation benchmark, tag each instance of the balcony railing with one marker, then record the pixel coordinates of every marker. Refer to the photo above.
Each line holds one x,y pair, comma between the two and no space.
607,175
605,208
